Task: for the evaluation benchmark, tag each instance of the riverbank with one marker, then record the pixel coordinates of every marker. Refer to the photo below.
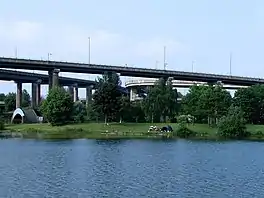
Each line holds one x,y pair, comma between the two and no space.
118,131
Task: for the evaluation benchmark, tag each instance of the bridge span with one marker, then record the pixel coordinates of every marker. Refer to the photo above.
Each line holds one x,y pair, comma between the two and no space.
135,84
126,71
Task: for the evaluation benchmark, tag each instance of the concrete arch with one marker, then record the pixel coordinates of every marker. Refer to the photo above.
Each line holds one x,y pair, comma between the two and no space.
25,115
18,116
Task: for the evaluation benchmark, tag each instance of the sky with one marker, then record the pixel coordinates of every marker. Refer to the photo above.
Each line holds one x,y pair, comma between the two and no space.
134,32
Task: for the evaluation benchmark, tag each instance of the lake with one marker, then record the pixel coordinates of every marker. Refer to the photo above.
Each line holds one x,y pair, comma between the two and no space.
130,168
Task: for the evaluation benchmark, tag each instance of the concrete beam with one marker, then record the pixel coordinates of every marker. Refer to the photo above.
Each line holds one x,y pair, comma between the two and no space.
19,95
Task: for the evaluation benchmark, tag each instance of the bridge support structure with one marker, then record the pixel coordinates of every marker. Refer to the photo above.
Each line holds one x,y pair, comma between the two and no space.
53,78
19,95
35,96
88,95
70,90
75,93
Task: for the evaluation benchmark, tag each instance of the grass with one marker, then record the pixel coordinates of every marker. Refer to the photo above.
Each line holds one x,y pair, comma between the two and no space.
116,131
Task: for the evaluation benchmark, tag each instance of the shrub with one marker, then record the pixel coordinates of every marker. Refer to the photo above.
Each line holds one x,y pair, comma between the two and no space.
58,106
79,112
233,124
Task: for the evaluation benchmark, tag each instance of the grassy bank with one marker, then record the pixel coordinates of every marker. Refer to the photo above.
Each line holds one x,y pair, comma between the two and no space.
116,131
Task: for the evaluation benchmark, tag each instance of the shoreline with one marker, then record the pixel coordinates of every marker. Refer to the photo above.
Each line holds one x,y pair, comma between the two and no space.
117,131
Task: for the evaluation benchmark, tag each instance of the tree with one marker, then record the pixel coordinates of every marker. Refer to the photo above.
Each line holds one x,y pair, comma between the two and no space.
251,101
58,106
161,101
25,98
233,124
107,96
79,112
2,97
10,101
124,107
207,102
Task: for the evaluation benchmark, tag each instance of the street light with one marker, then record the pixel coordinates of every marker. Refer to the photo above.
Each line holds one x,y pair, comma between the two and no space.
193,64
89,39
49,54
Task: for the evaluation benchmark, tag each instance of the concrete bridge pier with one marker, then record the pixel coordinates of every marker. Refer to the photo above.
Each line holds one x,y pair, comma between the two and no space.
70,90
33,95
38,92
88,95
19,95
55,78
50,79
75,93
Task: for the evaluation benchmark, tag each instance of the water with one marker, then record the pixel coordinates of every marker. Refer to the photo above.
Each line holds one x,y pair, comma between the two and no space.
131,168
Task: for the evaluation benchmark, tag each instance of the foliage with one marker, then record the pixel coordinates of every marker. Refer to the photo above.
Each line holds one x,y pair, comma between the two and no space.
10,102
107,96
206,102
26,101
183,131
233,124
161,101
251,101
58,106
125,107
79,112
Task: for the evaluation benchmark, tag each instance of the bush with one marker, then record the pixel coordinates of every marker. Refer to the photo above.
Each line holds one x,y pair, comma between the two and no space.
233,124
183,131
79,112
2,126
58,106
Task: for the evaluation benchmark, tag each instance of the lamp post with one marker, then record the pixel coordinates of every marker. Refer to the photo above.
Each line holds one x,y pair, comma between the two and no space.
49,54
89,58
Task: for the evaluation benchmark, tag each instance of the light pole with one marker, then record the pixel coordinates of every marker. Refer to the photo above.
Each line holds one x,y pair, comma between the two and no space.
230,64
16,51
89,58
164,57
49,54
193,64
157,63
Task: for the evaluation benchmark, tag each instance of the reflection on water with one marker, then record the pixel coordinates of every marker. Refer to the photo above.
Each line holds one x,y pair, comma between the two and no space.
130,168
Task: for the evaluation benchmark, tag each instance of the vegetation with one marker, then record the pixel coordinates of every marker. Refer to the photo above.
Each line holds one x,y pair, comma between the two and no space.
206,111
58,107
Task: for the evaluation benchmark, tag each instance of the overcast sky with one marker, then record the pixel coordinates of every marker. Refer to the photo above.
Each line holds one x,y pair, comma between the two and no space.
134,32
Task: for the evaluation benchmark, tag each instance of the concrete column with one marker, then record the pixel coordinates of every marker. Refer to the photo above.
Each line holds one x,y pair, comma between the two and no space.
33,95
70,90
38,92
75,93
19,95
88,95
55,77
50,79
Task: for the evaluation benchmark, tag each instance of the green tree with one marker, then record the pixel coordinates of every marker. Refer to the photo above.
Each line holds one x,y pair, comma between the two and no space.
161,101
79,112
2,97
233,124
107,96
251,101
58,106
10,101
207,102
125,107
25,98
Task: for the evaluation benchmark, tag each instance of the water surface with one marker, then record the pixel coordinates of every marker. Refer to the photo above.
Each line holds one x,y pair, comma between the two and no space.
130,168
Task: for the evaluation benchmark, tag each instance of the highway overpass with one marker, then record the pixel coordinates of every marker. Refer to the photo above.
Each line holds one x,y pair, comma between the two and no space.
126,71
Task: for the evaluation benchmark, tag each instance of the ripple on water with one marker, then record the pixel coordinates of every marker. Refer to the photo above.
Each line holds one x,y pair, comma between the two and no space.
134,168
